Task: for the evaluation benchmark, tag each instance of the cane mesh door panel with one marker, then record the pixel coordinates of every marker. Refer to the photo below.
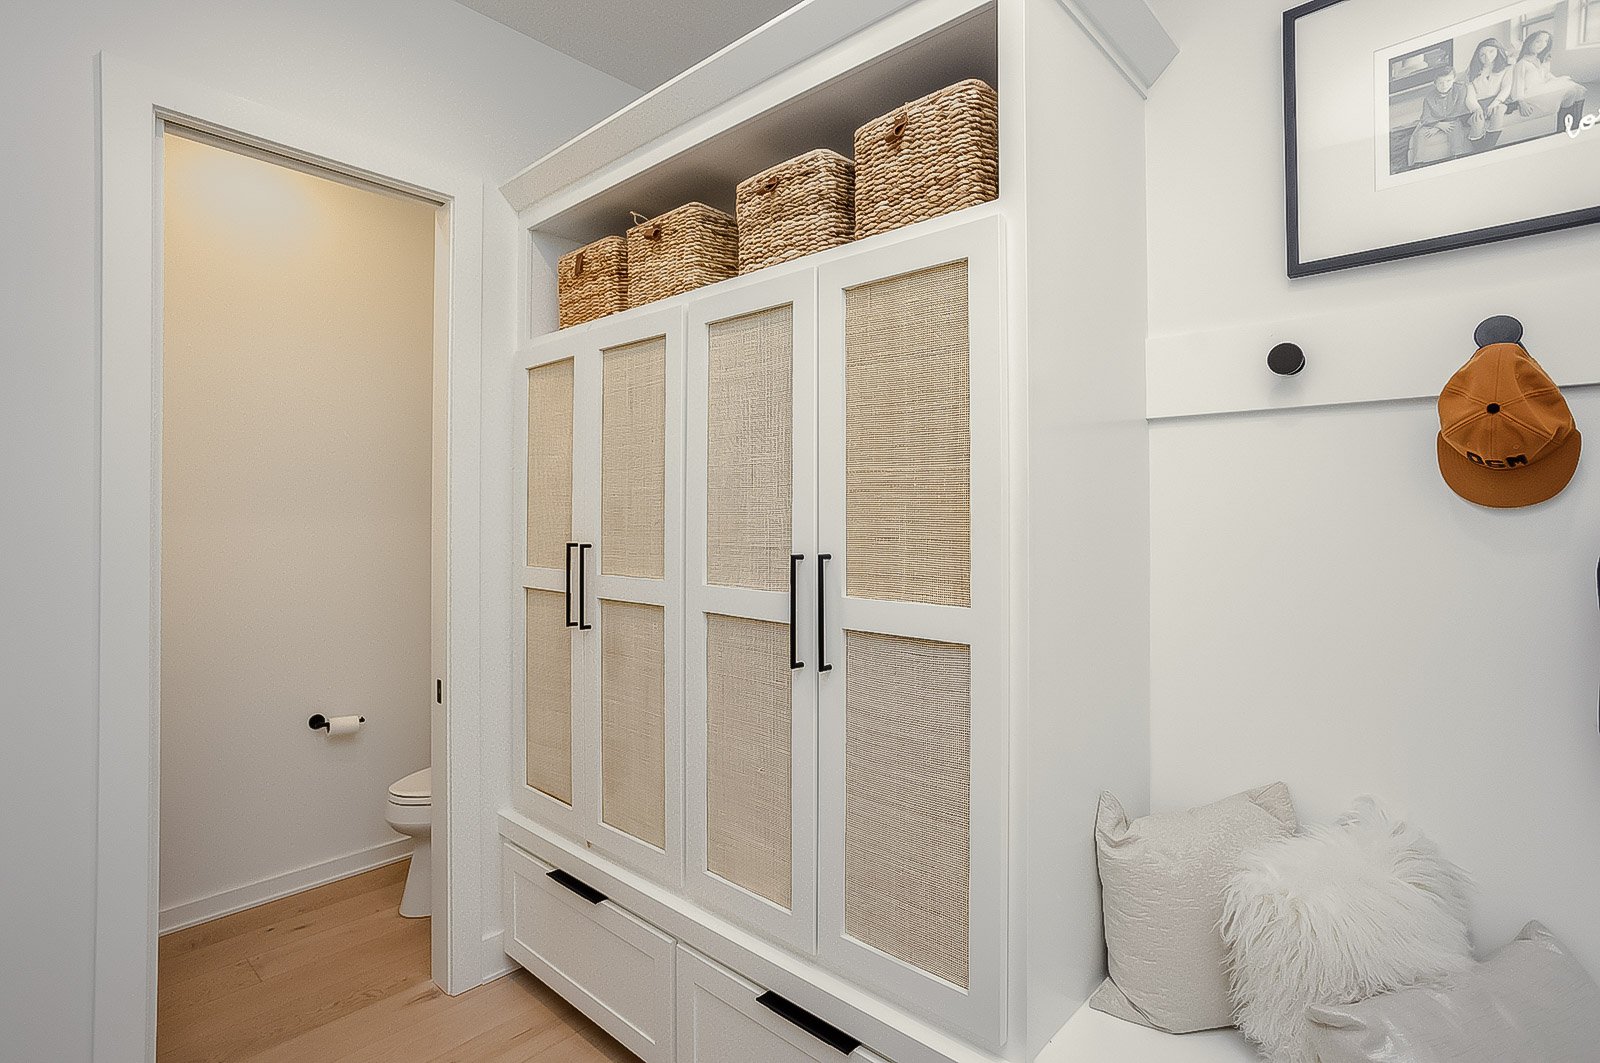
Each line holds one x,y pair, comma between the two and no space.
633,460
549,696
908,438
549,463
749,729
633,720
749,441
907,800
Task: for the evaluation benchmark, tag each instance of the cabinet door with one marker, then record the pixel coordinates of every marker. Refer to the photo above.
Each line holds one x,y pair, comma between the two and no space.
602,588
750,709
912,496
553,662
635,581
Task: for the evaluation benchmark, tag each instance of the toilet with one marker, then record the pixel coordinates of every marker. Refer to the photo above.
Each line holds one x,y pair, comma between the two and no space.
411,812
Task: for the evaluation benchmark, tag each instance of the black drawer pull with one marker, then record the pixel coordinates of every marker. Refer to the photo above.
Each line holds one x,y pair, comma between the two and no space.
570,547
794,655
825,1032
822,613
581,888
583,548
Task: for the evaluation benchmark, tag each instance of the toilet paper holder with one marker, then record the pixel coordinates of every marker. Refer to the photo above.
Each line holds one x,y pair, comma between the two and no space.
319,722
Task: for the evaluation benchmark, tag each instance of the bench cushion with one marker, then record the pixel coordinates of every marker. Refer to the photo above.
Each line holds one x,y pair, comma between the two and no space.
1092,1037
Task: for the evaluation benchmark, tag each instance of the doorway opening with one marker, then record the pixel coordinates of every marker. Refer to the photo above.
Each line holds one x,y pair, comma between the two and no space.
302,574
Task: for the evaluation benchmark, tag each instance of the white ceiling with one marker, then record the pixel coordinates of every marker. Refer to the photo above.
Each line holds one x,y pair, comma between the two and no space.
642,42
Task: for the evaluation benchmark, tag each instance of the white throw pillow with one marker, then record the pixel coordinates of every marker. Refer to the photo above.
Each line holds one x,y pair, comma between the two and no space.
1336,916
1531,1002
1162,879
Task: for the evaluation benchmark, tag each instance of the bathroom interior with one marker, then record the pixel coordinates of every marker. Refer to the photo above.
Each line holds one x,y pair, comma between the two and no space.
297,545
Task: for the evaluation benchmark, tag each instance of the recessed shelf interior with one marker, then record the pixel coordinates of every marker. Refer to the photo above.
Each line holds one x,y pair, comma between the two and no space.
827,116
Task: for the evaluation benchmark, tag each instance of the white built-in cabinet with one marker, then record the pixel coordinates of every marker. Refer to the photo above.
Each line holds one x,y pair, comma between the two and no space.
765,607
831,601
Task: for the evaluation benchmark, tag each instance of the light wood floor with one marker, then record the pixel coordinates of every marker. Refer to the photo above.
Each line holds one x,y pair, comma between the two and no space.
336,975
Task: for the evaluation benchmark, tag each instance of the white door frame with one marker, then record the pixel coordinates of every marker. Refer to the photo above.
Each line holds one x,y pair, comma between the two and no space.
135,104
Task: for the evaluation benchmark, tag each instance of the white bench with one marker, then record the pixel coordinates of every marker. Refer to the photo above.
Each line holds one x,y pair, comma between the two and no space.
1092,1037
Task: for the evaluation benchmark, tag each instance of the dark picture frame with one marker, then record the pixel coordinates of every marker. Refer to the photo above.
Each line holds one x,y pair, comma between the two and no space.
1299,266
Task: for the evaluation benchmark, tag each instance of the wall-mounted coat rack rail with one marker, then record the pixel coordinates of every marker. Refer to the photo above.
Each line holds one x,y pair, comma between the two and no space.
1400,351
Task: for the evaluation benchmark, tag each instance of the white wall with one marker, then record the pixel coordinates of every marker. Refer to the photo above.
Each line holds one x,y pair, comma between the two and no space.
1325,611
297,379
427,75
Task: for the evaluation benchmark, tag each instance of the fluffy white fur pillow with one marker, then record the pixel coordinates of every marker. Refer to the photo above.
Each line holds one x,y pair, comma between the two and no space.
1336,916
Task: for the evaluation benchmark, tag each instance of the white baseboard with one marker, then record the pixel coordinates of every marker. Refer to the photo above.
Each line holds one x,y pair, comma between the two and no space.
496,964
192,913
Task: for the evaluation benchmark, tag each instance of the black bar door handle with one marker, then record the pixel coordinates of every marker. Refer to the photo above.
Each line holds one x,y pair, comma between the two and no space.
822,1030
576,885
822,613
794,619
570,622
583,548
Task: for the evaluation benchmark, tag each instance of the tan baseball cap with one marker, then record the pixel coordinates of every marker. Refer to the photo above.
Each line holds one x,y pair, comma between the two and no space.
1506,436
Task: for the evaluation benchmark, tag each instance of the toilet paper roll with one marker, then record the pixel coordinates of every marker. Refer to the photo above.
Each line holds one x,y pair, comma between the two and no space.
344,725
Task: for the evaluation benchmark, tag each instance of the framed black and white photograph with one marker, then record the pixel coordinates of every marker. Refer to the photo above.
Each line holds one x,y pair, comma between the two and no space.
1437,124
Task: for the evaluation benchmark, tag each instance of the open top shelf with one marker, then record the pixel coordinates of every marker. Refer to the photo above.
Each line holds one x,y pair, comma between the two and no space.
817,105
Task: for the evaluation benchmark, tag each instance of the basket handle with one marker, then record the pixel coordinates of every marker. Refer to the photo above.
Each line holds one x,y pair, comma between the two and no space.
897,130
640,219
577,264
767,187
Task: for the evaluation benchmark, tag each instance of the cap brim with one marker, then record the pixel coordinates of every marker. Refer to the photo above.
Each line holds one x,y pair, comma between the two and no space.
1526,485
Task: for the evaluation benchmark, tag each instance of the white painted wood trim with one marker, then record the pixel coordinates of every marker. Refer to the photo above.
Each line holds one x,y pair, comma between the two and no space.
205,909
1131,36
134,103
1390,351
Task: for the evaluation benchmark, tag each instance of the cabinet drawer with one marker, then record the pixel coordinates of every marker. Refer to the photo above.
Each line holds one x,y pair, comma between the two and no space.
609,964
721,1020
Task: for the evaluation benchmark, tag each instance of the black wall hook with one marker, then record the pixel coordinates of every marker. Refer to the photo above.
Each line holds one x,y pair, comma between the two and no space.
1501,328
319,722
1286,359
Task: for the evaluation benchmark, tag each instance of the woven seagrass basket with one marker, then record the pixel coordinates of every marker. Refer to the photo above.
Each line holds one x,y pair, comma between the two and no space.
683,249
930,157
593,281
804,205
